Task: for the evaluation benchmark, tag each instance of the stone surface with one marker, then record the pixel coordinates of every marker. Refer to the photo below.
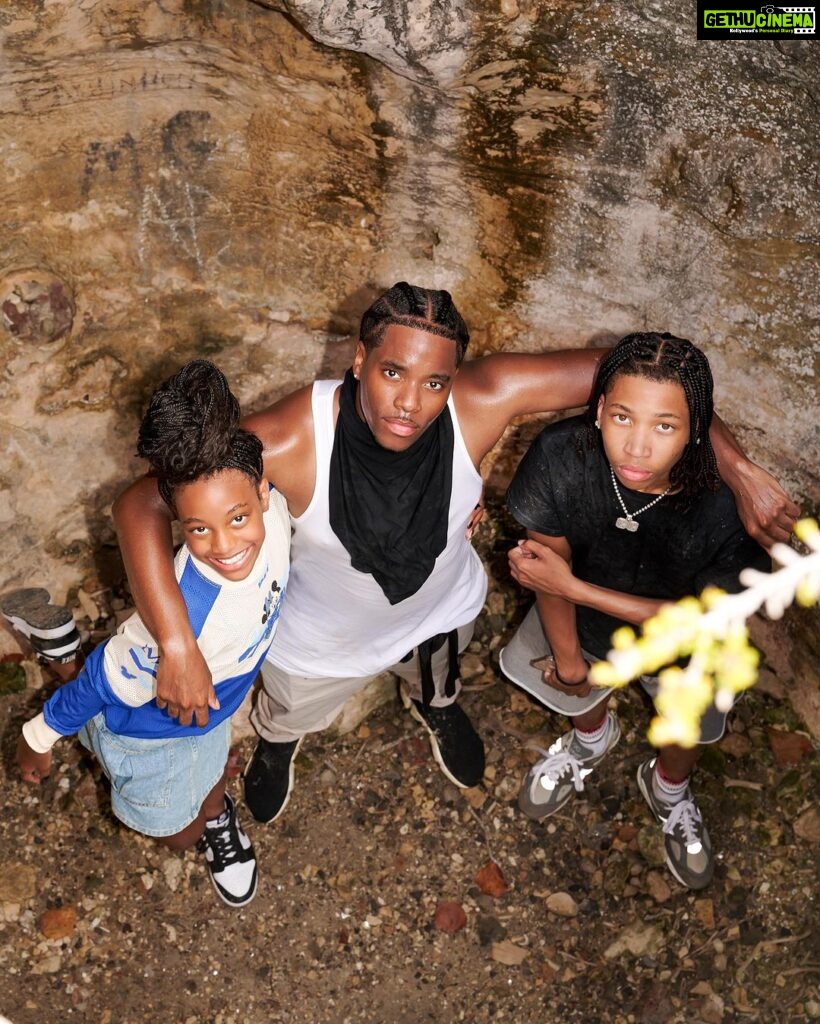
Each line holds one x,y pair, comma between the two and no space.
239,180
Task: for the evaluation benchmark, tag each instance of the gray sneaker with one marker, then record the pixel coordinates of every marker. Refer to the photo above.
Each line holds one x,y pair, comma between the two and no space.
688,848
561,772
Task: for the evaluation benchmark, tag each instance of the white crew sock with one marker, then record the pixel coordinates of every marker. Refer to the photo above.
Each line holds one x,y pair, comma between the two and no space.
668,792
596,740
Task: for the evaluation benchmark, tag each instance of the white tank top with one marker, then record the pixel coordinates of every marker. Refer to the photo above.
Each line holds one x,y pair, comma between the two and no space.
336,620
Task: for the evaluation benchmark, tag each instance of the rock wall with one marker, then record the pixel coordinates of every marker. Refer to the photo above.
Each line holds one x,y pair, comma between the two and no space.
237,180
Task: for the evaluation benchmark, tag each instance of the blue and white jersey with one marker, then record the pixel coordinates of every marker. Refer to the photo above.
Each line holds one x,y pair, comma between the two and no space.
233,621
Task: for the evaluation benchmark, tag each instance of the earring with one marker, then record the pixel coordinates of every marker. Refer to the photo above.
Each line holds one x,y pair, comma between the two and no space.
598,424
697,440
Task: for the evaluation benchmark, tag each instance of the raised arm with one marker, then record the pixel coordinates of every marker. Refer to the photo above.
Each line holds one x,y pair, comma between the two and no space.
766,511
490,392
143,523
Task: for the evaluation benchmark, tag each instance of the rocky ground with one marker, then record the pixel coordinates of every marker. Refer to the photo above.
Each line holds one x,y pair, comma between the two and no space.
387,895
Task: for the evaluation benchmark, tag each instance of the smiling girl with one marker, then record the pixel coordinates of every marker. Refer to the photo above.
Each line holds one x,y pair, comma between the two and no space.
168,780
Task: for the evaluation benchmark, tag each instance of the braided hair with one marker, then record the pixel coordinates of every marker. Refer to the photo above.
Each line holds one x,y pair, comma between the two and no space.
424,309
191,430
663,357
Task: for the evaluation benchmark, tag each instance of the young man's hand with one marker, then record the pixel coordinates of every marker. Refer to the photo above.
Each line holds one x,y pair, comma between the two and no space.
33,767
540,568
184,685
766,511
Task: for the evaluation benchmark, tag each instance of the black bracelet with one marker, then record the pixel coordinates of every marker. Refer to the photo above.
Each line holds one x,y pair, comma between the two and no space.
580,682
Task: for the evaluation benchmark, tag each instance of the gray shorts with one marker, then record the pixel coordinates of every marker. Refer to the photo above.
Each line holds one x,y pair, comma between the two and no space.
288,706
530,644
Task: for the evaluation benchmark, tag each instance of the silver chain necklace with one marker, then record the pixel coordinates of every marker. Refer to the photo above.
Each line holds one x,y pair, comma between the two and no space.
627,520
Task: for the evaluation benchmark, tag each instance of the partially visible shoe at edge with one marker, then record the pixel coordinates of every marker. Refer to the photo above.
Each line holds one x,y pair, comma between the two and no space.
269,778
689,853
456,746
230,858
560,773
49,628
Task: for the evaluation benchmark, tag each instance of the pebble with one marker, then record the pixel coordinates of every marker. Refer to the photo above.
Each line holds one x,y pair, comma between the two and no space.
489,930
18,882
562,904
658,887
172,869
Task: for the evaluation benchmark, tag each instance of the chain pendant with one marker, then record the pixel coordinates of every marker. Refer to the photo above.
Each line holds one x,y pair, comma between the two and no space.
626,524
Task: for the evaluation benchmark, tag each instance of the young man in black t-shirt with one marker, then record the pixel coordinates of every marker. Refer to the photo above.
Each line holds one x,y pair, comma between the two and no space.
623,515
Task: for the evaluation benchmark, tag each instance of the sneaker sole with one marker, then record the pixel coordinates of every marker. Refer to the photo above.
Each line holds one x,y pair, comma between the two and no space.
291,780
669,863
411,707
234,903
29,611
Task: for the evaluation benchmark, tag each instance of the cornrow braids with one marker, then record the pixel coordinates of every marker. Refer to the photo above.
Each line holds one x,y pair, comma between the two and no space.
424,309
663,357
191,430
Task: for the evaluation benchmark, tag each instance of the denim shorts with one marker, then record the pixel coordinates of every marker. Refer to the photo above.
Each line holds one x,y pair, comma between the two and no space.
158,786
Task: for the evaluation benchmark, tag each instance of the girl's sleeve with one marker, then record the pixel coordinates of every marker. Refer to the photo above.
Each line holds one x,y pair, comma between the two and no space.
70,707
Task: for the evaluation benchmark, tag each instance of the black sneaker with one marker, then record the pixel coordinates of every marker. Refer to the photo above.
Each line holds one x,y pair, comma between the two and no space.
456,745
269,778
49,628
230,857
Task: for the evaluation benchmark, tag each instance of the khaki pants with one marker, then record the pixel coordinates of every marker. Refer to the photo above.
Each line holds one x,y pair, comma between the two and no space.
289,706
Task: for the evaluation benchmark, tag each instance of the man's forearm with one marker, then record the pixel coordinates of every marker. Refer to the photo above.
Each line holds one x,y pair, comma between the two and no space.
144,532
730,456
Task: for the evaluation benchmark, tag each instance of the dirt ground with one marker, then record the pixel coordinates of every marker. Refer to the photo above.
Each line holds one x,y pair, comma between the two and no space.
572,920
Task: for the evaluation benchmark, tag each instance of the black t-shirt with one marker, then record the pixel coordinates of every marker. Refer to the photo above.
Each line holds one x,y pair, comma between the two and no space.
564,489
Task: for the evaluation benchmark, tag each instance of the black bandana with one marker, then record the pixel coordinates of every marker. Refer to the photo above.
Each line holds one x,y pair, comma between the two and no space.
389,509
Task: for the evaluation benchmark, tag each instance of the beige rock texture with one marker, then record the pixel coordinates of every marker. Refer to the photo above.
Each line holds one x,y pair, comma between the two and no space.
238,180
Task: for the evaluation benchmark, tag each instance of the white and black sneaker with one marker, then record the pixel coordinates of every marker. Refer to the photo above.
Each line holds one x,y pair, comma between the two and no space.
49,628
230,857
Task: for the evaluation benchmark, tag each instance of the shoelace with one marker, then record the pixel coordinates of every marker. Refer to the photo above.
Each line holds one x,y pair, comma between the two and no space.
686,815
554,764
223,847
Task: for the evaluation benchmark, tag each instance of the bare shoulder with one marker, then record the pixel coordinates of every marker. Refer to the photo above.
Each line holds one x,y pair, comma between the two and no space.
481,394
480,378
282,423
286,432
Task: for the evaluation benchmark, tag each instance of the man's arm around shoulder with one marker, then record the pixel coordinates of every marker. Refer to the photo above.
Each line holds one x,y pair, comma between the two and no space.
143,523
491,391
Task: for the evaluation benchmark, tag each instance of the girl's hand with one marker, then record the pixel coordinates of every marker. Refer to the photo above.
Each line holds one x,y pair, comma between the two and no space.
33,767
